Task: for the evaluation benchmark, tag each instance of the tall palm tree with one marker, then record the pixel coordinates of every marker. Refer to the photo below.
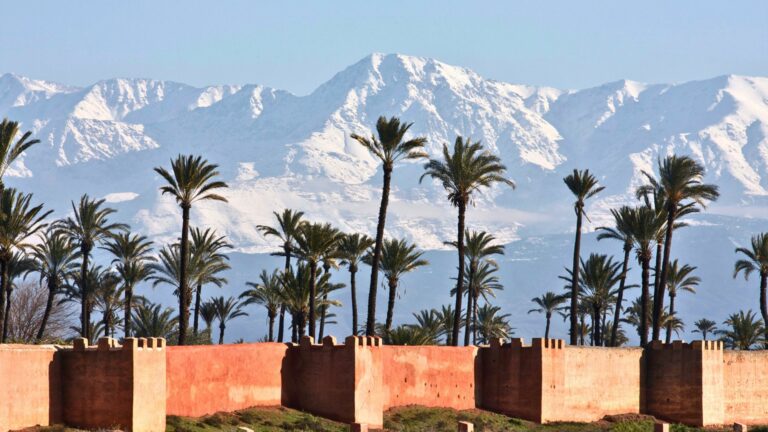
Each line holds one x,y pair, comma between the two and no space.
192,180
351,249
81,289
313,242
288,223
583,185
397,258
644,224
744,331
226,310
478,246
548,303
756,261
266,292
152,320
19,221
681,180
10,150
389,147
88,227
705,327
679,279
621,232
484,283
492,324
329,262
132,256
463,172
296,296
54,258
206,247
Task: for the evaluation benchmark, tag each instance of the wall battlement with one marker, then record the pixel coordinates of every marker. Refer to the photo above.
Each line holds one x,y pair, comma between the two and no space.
134,385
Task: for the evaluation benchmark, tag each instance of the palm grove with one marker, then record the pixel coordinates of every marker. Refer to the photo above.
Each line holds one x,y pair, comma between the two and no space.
299,297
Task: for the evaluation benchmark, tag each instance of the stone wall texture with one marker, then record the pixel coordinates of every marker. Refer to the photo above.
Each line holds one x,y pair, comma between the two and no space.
134,385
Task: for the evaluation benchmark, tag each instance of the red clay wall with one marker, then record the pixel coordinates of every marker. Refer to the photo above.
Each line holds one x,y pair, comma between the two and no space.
206,379
746,386
598,382
434,376
30,386
340,382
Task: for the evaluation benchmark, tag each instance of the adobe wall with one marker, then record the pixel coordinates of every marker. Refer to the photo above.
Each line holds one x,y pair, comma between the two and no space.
205,379
599,381
30,386
685,382
340,382
512,379
112,386
746,386
433,376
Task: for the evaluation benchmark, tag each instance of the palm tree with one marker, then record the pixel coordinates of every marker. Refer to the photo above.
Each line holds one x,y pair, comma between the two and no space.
55,259
10,151
88,227
132,256
73,292
679,279
484,283
478,246
351,249
206,249
681,181
644,224
633,313
266,292
152,320
705,326
397,258
329,262
445,316
584,186
492,325
192,180
288,225
18,267
756,261
208,314
108,294
313,242
620,231
599,276
430,322
468,169
226,310
409,335
549,303
390,147
745,330
19,220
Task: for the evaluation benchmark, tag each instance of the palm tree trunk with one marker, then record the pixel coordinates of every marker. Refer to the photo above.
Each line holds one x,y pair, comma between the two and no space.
474,319
460,278
546,329
581,329
470,311
312,295
184,299
657,271
281,324
294,329
764,303
323,313
620,296
221,334
575,278
668,339
85,319
371,322
198,301
128,309
391,304
302,325
7,312
271,326
353,289
658,300
644,303
596,327
3,281
47,313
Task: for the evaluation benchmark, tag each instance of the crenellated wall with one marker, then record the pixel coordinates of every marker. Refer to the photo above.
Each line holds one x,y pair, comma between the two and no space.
135,385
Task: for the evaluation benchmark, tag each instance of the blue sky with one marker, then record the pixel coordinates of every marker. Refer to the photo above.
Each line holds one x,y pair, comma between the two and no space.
297,45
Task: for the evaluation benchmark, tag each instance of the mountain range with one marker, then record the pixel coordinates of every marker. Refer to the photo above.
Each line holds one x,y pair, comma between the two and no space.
277,150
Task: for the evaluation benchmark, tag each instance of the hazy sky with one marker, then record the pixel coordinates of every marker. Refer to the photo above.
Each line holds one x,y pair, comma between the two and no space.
296,46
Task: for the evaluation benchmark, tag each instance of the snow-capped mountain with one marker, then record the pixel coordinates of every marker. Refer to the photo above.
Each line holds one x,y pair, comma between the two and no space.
277,149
